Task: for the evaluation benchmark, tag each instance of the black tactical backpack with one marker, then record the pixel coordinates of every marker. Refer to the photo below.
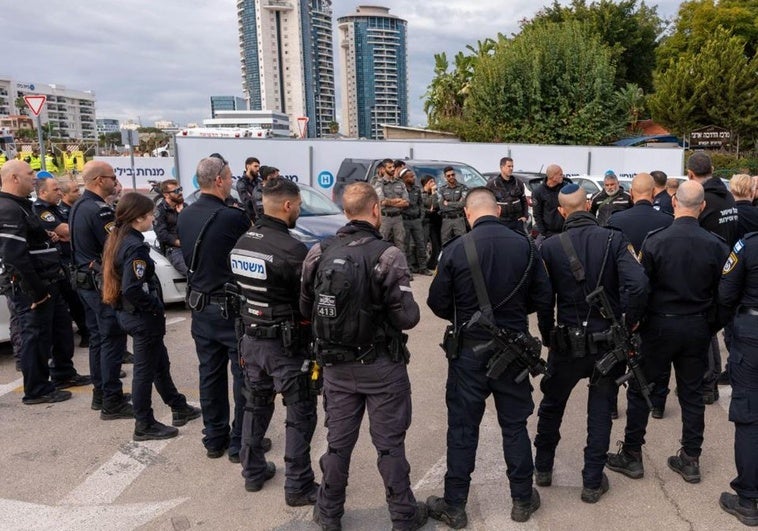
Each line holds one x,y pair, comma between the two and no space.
345,312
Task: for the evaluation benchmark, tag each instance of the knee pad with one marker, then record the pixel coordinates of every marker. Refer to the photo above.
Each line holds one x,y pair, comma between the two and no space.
300,392
335,467
257,399
395,470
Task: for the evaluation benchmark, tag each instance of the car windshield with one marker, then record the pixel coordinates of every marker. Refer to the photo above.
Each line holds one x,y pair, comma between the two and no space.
316,204
463,173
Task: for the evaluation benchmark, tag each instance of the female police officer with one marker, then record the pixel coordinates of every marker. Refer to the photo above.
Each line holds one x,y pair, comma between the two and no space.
129,284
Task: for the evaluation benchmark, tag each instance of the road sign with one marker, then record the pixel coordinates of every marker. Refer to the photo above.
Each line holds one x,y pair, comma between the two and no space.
302,121
710,136
35,103
45,175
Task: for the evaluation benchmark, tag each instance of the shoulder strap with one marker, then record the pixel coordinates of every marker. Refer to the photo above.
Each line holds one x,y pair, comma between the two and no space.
476,275
193,260
577,269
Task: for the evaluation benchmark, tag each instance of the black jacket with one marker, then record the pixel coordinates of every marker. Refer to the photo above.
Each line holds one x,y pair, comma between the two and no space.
547,219
720,214
603,205
166,218
90,222
638,221
138,280
510,196
622,273
748,218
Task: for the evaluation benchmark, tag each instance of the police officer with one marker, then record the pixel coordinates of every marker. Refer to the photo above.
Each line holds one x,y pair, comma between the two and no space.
208,230
450,197
743,189
661,196
413,223
738,293
363,355
247,184
547,220
266,173
432,222
54,218
684,264
611,199
512,272
29,277
130,285
636,223
266,263
510,195
90,221
393,200
166,218
581,259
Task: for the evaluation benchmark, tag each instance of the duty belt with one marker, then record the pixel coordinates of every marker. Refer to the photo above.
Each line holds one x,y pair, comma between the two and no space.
263,332
390,214
218,300
451,215
332,355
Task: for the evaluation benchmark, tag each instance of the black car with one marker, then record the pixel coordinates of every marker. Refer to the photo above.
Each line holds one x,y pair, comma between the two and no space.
354,170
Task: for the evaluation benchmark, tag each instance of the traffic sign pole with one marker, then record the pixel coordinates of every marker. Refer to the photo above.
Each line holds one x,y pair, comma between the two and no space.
41,142
35,103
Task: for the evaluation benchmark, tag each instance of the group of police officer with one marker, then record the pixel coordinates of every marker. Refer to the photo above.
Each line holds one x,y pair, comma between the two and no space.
289,320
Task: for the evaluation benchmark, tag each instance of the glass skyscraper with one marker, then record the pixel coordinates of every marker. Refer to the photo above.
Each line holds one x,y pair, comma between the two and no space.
373,59
287,60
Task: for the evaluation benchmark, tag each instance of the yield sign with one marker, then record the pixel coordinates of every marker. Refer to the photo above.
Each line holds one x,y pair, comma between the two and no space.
35,103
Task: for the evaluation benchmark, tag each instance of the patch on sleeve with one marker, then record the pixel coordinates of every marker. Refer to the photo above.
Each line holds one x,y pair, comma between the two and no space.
730,264
738,246
109,226
47,216
139,267
630,248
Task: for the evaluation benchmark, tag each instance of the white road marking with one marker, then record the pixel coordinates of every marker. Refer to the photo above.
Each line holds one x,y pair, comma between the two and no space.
7,388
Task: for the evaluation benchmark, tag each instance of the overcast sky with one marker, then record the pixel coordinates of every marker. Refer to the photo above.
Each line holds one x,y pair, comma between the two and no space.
151,60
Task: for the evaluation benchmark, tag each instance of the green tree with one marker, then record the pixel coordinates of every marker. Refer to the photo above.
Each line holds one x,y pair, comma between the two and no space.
631,102
20,103
631,31
715,85
697,21
553,83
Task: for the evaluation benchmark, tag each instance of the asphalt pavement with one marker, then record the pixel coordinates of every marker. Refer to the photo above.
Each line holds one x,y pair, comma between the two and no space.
63,468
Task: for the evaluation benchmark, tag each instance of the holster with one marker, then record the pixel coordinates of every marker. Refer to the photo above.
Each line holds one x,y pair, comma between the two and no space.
398,348
196,300
569,339
451,342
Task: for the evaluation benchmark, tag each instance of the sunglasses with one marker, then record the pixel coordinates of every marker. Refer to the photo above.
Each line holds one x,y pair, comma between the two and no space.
176,191
449,175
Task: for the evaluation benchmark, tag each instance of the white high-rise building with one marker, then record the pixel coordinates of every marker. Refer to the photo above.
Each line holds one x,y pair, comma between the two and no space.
287,60
71,113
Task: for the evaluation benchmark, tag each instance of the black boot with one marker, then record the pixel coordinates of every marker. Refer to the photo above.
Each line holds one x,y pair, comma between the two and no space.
153,431
182,415
626,462
744,509
686,466
522,510
452,516
254,485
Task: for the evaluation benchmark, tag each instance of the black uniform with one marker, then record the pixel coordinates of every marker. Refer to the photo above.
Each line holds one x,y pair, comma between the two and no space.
245,187
166,233
375,383
51,216
30,270
504,256
720,216
747,218
413,222
511,197
266,263
621,273
684,264
662,202
432,223
90,222
547,220
638,221
604,205
738,292
140,314
212,326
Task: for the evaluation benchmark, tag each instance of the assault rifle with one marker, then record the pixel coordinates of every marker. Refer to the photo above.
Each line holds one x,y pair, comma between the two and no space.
510,347
624,346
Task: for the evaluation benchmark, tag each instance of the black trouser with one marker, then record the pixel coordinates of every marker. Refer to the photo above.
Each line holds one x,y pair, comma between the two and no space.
382,388
269,370
713,367
432,229
683,341
106,348
216,346
151,365
563,373
36,329
743,409
75,306
467,390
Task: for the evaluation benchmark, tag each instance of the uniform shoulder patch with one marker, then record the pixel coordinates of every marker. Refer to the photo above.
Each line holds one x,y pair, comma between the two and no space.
139,267
730,264
738,246
110,226
46,215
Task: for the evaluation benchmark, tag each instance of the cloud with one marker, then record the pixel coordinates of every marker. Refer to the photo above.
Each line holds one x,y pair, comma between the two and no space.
163,60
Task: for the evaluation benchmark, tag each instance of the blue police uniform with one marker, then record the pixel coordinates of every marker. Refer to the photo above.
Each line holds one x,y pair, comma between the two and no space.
738,293
504,256
267,262
51,216
684,264
90,222
621,273
747,218
140,314
662,202
636,223
213,327
30,271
